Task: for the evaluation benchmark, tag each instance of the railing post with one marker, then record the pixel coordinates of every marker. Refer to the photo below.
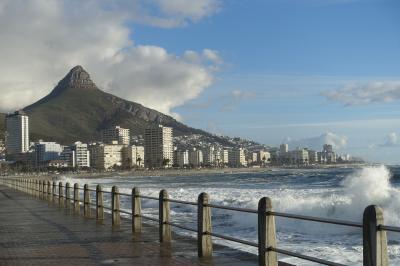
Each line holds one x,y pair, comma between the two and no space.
136,211
40,189
266,234
99,203
54,192
60,195
116,216
204,239
37,188
44,190
86,201
374,241
164,210
77,207
67,195
48,190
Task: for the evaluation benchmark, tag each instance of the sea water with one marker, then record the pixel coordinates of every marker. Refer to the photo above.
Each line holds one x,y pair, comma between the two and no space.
340,193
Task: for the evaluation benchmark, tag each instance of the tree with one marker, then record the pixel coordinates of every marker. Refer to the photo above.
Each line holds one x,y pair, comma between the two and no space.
263,159
165,162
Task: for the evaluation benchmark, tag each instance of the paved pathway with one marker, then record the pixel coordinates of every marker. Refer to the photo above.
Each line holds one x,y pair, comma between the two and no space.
35,232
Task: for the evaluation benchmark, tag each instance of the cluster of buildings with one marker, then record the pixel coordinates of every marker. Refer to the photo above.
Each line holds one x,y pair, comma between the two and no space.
119,150
304,156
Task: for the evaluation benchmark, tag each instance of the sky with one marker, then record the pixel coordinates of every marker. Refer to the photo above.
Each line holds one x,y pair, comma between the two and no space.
303,72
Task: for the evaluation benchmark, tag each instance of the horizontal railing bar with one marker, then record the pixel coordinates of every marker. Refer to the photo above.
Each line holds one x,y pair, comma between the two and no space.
92,204
305,257
316,219
126,212
389,228
124,194
182,227
148,197
107,208
92,190
231,208
233,239
182,202
149,218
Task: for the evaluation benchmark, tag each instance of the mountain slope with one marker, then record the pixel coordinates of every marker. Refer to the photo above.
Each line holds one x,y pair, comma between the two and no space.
77,110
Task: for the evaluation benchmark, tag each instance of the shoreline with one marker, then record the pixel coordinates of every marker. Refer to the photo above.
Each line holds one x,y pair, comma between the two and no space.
183,172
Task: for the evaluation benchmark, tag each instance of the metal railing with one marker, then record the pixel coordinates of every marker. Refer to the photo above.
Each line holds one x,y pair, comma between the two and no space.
374,231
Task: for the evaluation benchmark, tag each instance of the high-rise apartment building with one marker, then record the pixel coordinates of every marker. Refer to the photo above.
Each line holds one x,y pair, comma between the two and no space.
224,157
283,148
81,155
17,136
158,147
195,158
181,158
209,156
237,158
118,134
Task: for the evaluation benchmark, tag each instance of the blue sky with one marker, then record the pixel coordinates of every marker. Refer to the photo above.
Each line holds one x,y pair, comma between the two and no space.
281,56
304,72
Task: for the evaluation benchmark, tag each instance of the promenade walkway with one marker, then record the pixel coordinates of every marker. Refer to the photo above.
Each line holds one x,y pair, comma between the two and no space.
35,232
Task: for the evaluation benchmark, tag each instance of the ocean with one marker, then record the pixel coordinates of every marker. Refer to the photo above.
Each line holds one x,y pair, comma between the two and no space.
340,193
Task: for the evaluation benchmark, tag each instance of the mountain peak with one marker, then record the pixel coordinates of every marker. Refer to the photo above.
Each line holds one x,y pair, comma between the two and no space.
78,77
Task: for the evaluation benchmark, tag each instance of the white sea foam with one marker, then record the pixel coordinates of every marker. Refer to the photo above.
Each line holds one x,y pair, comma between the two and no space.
346,199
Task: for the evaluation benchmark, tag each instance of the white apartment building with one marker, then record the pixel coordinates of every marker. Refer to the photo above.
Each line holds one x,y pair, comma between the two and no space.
47,151
263,157
121,135
106,156
237,158
81,155
17,133
158,147
195,158
181,158
254,157
299,157
134,156
224,157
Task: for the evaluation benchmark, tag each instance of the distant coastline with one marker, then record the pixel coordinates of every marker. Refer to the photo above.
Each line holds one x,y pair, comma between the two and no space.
186,172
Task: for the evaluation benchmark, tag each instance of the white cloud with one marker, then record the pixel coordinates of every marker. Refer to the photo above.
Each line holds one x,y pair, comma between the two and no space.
41,40
316,143
374,92
391,140
231,100
184,10
212,55
166,13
